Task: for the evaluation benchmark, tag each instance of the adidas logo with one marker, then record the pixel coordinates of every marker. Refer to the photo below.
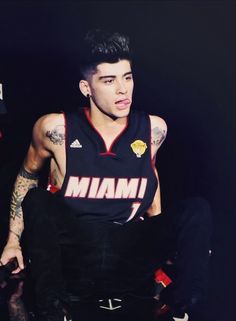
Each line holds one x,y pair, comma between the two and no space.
76,144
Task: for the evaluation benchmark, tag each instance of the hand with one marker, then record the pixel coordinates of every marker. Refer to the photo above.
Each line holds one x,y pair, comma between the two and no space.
11,251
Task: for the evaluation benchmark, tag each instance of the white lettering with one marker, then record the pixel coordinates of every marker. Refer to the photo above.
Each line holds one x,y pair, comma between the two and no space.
94,187
125,189
142,188
77,187
107,188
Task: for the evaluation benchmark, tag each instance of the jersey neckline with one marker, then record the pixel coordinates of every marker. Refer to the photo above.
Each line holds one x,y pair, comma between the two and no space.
108,151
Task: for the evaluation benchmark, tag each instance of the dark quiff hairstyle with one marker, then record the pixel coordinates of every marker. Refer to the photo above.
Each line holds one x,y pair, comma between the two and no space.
101,46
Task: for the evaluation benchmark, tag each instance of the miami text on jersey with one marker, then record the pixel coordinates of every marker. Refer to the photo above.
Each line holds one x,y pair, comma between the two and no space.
110,188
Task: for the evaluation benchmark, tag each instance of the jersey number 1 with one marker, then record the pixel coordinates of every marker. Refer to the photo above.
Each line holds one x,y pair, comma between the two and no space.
135,206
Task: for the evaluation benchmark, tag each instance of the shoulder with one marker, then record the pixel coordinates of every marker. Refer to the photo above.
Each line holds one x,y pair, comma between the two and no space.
158,131
155,120
159,122
50,126
49,121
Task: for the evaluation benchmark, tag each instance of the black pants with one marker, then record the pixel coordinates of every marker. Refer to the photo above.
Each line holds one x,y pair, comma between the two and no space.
105,258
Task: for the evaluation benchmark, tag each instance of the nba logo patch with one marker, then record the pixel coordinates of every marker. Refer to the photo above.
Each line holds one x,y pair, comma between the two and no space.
138,147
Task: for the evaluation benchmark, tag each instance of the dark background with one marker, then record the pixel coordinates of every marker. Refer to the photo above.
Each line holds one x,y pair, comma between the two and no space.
185,72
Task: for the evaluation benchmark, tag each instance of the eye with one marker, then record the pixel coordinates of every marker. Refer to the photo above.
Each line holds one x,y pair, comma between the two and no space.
130,77
109,81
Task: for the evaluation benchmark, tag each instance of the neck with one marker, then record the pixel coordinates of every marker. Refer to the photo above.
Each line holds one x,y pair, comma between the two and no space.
102,120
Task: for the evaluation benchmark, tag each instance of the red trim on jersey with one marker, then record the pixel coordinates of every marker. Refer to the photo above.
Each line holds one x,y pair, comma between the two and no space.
107,154
108,151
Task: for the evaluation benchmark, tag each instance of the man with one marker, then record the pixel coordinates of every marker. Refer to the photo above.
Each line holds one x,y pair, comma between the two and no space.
102,164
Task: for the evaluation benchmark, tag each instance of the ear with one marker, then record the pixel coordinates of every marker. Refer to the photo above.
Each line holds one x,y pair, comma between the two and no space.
84,87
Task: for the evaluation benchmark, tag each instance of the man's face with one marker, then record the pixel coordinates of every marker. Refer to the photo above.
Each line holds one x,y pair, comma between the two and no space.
111,88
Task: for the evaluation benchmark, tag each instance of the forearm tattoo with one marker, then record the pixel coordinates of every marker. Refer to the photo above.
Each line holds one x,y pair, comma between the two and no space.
16,234
158,136
16,210
24,173
57,135
24,182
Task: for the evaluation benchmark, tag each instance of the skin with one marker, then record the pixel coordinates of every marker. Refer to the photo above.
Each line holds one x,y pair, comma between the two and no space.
110,91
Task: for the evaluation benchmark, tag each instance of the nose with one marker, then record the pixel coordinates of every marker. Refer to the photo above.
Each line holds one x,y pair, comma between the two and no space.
121,87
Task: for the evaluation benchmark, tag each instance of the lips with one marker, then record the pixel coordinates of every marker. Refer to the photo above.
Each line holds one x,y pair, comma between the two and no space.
123,102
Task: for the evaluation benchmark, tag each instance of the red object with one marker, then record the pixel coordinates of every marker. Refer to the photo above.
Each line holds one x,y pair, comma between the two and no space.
52,189
161,277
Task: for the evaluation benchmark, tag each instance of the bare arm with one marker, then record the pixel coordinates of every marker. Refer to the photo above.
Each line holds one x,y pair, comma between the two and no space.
27,178
24,181
158,135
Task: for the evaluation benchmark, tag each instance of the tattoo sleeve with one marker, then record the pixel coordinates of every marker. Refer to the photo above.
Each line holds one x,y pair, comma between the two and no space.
17,235
158,136
24,182
56,136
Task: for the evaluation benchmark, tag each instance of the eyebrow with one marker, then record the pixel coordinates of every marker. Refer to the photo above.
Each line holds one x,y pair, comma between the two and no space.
112,76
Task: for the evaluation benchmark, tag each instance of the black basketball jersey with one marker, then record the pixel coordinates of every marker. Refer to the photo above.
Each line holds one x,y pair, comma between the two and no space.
116,185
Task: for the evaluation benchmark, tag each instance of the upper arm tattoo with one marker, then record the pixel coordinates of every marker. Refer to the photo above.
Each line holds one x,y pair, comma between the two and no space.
158,136
57,135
